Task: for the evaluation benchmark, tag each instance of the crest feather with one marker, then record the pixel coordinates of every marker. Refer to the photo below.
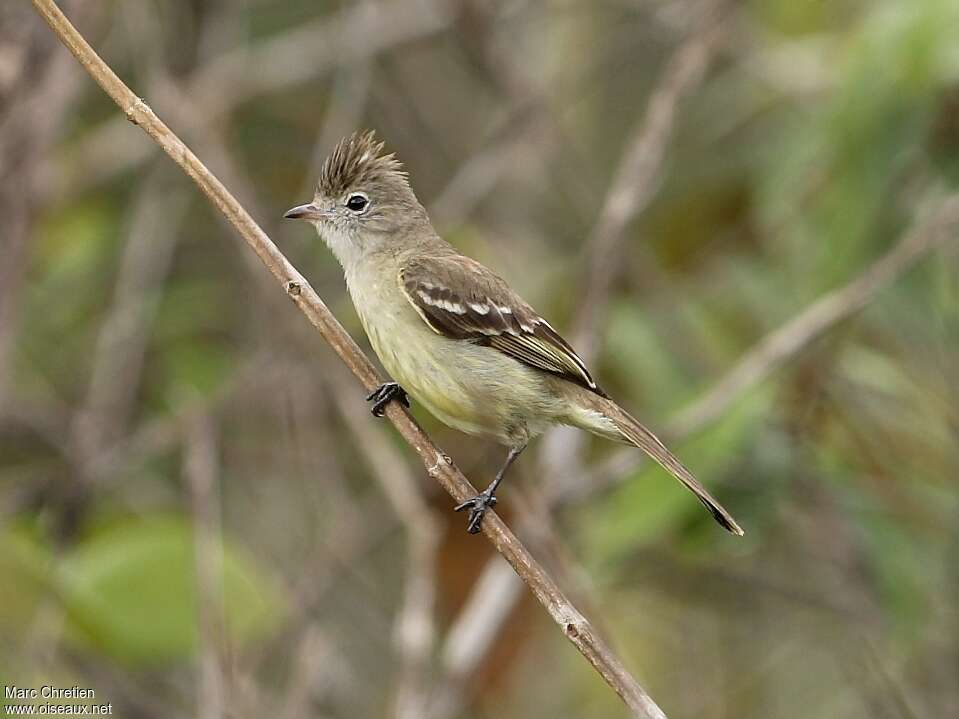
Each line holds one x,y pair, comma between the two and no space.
357,160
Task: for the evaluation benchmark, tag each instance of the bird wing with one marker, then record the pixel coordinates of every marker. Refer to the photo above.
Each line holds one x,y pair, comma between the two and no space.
461,299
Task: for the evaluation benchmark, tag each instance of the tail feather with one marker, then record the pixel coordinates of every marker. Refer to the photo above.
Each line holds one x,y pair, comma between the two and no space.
635,433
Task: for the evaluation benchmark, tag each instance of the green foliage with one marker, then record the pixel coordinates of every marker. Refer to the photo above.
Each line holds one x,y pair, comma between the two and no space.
650,505
74,250
640,361
27,570
821,131
828,186
129,588
195,368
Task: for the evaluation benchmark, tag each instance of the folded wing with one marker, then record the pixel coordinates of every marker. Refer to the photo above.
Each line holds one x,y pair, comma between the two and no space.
461,299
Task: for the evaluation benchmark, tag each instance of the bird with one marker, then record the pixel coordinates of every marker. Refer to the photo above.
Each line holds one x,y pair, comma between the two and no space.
452,334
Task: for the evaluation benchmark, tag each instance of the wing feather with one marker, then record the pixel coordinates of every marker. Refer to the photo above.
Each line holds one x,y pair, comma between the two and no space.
461,299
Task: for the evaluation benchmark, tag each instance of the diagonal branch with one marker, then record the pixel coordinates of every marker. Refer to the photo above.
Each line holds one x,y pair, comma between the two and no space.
201,470
830,309
760,361
638,175
306,53
576,628
635,182
785,342
415,624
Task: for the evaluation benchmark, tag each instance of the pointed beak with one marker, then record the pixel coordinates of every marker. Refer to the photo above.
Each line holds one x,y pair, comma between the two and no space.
305,212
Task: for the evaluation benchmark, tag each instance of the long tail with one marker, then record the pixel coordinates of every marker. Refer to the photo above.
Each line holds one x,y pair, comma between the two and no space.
619,424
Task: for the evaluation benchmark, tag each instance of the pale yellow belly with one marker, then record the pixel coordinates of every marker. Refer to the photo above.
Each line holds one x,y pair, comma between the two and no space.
475,389
446,378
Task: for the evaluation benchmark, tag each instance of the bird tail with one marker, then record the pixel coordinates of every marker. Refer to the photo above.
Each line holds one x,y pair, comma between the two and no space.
604,417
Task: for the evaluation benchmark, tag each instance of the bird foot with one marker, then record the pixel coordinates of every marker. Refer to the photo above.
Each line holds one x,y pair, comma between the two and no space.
477,507
384,394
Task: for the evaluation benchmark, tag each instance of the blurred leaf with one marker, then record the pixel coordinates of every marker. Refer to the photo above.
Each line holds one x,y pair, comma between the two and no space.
195,367
130,589
874,370
72,259
75,243
651,503
797,18
828,187
640,360
898,557
25,565
190,305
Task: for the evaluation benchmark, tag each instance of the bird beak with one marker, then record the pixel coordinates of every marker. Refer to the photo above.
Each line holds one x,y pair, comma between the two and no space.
305,212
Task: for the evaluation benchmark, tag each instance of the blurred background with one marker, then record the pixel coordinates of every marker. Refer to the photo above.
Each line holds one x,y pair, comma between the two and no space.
739,212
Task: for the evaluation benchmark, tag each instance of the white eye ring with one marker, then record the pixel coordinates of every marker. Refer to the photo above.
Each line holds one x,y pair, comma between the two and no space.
358,203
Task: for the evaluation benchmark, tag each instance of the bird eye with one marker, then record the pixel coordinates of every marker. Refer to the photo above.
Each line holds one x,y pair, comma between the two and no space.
357,202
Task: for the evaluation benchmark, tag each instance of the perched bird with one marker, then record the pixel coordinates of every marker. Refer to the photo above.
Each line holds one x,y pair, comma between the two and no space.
453,334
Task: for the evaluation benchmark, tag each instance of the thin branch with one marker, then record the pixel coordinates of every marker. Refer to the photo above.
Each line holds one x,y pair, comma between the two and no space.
472,636
634,184
33,105
785,342
638,175
297,56
755,365
576,628
319,669
415,626
830,309
153,233
201,468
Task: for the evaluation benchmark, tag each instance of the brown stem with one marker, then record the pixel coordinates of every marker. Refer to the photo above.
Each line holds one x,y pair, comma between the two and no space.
576,628
200,471
786,341
639,173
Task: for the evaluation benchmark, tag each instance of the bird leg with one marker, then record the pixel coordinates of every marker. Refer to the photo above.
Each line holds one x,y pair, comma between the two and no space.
487,498
384,394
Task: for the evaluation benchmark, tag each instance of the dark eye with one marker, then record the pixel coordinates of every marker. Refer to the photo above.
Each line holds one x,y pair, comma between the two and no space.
357,202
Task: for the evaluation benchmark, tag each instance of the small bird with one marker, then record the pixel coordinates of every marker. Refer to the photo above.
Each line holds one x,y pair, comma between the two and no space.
453,334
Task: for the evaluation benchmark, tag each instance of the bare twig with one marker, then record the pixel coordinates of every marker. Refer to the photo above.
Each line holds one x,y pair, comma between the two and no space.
320,674
638,174
121,343
575,627
635,182
306,52
830,309
33,101
414,625
293,57
790,339
490,604
318,669
758,363
201,475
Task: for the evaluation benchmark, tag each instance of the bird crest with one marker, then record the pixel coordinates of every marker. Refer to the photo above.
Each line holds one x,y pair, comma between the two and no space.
356,161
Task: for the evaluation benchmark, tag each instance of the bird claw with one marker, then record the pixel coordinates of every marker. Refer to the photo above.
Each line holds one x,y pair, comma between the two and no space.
383,395
477,507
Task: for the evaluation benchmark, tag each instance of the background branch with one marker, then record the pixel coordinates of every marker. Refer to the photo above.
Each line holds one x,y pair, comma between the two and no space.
576,628
201,469
745,314
787,341
415,626
634,183
639,172
770,352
